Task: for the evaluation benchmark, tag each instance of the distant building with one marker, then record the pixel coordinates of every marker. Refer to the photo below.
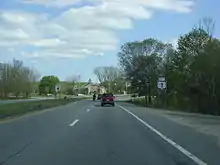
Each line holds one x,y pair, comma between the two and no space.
90,88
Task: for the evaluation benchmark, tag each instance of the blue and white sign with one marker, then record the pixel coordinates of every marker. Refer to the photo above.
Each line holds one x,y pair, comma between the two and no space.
58,88
162,84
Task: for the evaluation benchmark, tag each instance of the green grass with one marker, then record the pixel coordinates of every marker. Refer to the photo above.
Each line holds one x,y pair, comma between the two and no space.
138,101
142,102
13,98
17,109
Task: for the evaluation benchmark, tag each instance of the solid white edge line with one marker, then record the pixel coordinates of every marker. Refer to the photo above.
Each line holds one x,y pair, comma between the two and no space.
74,122
177,146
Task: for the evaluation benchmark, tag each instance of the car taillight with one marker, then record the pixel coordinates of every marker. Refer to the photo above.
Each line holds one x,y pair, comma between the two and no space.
108,99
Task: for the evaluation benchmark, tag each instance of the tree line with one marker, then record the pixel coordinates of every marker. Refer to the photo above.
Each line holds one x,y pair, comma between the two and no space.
16,79
191,70
47,85
112,78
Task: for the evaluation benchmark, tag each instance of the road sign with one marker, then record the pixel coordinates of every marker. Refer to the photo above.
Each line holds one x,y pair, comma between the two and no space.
162,79
58,88
161,84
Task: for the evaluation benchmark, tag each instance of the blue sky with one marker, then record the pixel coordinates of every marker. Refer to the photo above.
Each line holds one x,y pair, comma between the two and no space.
72,37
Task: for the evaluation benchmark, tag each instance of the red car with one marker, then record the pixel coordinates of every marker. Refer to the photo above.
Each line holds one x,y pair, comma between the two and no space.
107,98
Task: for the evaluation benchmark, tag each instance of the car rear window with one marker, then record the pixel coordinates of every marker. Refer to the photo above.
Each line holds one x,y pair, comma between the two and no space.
107,95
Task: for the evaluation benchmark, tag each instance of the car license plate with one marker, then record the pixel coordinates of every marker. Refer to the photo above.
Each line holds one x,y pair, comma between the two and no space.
107,99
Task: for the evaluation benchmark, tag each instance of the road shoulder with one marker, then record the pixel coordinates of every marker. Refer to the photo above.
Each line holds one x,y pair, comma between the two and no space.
184,131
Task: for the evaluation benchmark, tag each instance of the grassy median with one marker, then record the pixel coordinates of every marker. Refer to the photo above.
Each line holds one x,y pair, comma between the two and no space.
17,109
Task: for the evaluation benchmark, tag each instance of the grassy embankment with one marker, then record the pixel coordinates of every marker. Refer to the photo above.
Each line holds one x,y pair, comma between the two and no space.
171,106
11,110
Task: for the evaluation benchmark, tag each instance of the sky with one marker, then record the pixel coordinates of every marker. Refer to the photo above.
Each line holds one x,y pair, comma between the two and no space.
71,37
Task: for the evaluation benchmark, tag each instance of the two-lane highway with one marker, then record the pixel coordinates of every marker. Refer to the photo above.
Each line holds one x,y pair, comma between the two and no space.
85,133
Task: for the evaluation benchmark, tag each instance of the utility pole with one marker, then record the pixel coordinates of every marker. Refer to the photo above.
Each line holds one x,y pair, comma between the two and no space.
1,78
1,71
109,88
149,91
126,87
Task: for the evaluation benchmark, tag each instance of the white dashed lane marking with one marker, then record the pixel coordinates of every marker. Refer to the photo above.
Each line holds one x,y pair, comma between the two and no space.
74,122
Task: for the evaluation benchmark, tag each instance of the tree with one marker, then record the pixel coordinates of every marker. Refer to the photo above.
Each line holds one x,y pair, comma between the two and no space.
48,82
28,78
107,76
70,83
192,72
17,79
142,63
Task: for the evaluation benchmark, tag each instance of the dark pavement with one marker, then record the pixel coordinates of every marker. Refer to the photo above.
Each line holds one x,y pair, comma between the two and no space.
84,133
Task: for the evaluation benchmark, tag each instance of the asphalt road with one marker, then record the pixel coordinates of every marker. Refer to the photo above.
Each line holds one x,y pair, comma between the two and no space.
120,97
84,133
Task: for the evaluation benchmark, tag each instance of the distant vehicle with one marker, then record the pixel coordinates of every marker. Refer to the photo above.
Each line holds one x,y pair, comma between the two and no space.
49,94
99,97
94,97
107,98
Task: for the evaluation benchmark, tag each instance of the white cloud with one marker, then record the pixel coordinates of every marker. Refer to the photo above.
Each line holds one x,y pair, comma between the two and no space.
13,34
77,32
8,43
178,5
11,50
55,42
16,27
49,3
93,17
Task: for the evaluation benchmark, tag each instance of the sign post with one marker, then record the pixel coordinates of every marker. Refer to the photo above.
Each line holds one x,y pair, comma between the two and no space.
47,91
162,85
58,89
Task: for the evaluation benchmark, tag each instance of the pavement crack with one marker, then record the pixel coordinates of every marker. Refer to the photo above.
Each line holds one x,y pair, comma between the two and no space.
16,153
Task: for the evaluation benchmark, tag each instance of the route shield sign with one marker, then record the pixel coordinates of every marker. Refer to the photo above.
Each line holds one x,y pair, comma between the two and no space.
162,84
58,88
